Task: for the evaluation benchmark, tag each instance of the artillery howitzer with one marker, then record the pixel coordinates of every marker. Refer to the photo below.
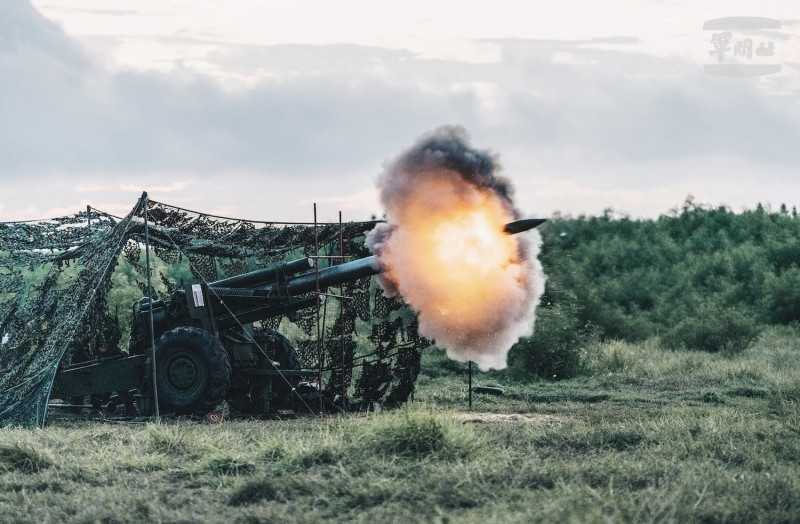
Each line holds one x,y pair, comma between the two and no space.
207,348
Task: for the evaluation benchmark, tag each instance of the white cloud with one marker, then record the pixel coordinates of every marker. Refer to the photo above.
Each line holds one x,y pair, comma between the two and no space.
364,199
92,187
622,122
137,188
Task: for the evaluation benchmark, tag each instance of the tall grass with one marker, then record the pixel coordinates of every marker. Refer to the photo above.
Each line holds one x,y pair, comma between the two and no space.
648,434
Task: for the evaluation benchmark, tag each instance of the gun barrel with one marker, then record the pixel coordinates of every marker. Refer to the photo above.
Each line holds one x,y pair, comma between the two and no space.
270,299
262,277
334,275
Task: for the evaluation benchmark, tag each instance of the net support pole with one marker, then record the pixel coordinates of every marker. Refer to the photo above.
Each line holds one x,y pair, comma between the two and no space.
470,385
320,357
150,299
341,316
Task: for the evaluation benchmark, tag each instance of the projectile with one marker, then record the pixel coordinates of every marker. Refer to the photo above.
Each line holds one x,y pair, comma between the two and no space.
520,226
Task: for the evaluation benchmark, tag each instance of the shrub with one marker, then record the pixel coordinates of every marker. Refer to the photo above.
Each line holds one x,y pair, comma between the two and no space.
713,328
782,296
615,356
555,350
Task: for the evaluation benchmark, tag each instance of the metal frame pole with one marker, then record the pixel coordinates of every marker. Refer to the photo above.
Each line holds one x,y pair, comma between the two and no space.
320,357
150,298
341,315
470,385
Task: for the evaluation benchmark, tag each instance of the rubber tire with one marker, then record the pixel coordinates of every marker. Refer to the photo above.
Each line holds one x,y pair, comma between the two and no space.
286,355
193,371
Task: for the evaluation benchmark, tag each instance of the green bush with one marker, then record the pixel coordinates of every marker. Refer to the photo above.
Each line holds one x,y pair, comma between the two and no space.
556,348
635,279
615,356
713,327
782,296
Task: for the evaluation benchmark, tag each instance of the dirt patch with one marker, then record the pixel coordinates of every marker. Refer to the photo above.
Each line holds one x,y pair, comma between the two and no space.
527,418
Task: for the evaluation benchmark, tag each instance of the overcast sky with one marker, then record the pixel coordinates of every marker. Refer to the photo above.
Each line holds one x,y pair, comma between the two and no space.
258,109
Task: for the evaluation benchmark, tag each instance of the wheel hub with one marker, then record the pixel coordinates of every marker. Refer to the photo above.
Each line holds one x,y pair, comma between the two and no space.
182,373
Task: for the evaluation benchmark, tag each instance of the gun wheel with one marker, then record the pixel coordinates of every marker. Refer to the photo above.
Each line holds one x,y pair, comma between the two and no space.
278,348
192,371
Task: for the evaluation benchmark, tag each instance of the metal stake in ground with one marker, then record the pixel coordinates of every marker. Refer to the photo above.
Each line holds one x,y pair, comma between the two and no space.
470,385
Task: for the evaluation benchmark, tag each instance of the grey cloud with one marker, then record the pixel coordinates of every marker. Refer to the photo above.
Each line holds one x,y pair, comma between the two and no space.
628,106
344,108
23,30
58,117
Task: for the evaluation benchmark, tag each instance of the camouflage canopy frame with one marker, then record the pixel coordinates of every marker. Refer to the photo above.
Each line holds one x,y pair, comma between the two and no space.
59,275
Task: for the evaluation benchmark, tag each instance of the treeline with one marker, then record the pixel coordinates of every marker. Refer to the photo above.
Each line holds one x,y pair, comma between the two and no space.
699,278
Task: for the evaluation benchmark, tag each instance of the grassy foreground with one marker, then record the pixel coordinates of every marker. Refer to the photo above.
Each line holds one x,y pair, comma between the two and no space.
647,436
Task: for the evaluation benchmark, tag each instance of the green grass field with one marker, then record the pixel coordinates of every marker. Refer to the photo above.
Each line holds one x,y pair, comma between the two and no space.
646,435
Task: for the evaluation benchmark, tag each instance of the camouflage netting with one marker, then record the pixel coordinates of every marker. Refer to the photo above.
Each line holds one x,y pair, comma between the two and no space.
59,275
